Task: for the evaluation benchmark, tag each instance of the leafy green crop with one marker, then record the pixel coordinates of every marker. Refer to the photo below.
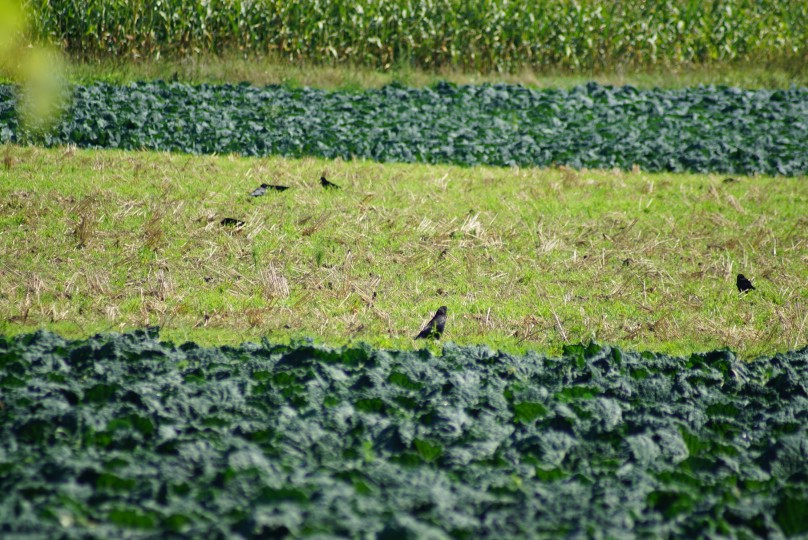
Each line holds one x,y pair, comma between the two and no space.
495,35
705,129
124,435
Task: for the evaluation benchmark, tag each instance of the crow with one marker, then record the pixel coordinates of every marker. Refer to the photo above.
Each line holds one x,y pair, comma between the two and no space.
232,222
328,185
744,285
434,328
262,189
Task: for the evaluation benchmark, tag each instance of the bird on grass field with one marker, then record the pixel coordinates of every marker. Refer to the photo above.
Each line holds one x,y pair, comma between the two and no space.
262,189
434,328
744,285
328,185
232,222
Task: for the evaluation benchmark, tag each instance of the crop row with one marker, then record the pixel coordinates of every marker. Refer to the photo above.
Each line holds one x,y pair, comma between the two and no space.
705,129
122,433
491,35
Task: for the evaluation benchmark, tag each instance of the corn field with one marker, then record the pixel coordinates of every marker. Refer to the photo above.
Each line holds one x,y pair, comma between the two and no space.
485,35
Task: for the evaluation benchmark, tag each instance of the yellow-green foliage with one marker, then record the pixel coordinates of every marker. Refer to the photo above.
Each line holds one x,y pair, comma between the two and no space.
498,35
37,68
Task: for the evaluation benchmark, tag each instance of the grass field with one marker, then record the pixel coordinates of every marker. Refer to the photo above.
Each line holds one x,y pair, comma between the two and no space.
523,258
264,70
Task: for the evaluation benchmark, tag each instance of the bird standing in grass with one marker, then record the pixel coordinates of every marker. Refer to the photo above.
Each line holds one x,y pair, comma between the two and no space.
232,222
328,185
262,189
434,328
744,285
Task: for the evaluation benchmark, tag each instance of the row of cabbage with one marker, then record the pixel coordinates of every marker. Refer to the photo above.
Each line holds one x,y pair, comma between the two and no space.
704,129
124,435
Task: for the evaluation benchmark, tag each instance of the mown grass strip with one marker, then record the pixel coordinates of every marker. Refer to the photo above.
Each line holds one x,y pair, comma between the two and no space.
523,258
263,70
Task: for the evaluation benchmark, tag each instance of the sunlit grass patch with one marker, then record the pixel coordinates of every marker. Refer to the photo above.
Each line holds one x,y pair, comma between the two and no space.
266,70
523,258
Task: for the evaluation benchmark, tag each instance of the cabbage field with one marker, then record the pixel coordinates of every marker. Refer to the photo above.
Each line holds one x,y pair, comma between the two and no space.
125,436
705,129
129,435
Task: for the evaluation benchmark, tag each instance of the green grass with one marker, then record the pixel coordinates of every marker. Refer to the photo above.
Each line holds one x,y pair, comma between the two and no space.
523,258
268,70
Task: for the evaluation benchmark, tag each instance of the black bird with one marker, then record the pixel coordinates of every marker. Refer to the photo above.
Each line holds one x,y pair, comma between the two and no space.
262,189
232,222
744,285
328,185
434,328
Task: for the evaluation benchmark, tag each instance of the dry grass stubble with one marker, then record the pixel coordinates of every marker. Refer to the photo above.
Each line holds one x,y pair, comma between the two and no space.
524,258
